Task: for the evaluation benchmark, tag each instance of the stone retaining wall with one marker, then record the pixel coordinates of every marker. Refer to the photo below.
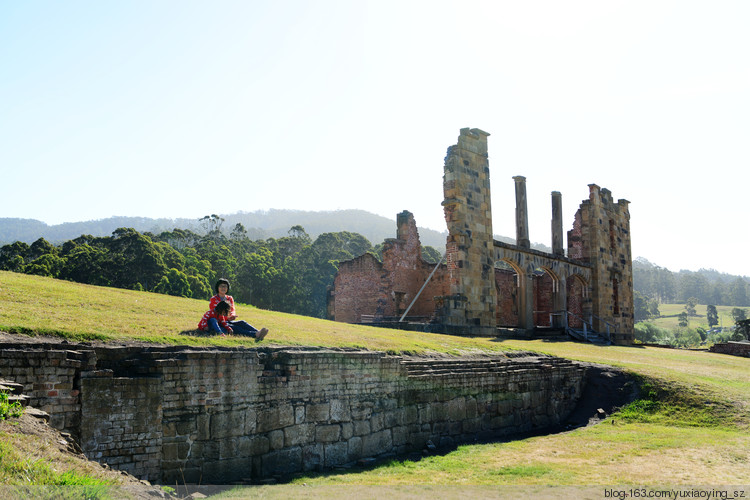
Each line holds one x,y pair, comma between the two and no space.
733,348
217,416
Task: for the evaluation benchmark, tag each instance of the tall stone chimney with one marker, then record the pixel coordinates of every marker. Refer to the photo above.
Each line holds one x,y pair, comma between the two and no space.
470,309
522,213
557,225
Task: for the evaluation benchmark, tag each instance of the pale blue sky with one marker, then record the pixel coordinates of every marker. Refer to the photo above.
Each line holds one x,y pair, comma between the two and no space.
182,109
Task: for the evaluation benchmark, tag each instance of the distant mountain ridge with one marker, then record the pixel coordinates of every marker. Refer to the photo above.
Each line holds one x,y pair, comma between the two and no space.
274,223
259,225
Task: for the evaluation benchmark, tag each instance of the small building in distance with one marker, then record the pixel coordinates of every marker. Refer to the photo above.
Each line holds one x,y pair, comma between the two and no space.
485,287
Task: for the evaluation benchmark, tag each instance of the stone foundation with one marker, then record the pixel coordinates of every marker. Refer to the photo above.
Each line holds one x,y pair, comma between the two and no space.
218,416
733,348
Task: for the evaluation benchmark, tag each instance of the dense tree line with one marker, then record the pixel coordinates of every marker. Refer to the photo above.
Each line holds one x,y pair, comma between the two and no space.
289,274
654,285
661,285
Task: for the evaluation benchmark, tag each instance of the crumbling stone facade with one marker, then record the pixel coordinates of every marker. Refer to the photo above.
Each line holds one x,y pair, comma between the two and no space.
469,248
486,284
601,238
384,290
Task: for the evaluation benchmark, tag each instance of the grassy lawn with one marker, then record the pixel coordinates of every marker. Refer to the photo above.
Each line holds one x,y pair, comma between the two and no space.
672,310
690,426
37,305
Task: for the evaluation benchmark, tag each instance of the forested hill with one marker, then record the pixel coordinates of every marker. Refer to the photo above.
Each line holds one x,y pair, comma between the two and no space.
650,280
260,225
708,286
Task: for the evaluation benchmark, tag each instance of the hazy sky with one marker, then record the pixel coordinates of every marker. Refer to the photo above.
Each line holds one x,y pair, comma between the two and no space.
181,109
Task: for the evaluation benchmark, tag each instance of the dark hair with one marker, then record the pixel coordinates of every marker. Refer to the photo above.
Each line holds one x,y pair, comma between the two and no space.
220,282
222,307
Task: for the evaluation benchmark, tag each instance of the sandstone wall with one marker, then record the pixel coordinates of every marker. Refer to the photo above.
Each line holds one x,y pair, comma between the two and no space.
217,416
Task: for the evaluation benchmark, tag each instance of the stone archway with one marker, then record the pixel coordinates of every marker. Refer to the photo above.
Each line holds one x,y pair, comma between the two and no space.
547,298
576,293
508,286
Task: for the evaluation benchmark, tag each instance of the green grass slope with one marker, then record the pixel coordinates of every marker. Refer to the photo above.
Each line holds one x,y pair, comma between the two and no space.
43,306
690,426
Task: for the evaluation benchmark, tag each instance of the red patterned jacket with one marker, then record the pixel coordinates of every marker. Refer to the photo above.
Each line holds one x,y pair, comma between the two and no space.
216,299
203,325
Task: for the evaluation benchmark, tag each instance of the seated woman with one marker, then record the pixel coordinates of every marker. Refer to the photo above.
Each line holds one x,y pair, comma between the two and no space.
239,327
215,320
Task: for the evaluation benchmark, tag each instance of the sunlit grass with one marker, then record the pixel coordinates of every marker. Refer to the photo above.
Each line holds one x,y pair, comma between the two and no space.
35,305
690,425
19,467
670,321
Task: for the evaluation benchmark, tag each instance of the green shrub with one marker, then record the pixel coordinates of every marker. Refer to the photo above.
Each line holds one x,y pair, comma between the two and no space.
8,409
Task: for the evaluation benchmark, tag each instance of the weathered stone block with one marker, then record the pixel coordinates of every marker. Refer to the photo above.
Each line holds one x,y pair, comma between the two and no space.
456,409
335,453
255,445
361,427
227,424
312,457
283,461
376,422
424,414
276,439
347,430
318,412
224,471
327,433
275,418
377,443
299,434
354,448
400,435
339,411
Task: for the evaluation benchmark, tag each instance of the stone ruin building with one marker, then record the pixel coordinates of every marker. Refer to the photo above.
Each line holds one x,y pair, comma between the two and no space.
487,287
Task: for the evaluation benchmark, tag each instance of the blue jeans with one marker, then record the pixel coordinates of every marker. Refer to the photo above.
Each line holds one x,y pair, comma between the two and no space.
215,327
239,327
243,328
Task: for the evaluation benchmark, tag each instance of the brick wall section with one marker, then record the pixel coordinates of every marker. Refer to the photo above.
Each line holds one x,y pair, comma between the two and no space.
358,289
507,298
366,287
51,379
121,420
217,416
543,305
575,303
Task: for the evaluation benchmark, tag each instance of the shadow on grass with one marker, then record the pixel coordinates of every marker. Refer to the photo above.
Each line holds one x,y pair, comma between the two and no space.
562,340
202,334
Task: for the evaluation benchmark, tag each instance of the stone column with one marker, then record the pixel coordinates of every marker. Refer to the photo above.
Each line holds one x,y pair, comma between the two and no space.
526,293
560,302
522,213
557,227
